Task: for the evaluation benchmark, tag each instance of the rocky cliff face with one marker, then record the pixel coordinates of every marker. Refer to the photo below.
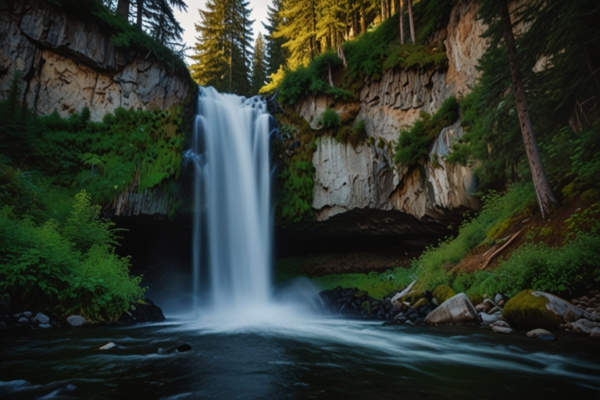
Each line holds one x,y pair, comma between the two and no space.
361,191
69,63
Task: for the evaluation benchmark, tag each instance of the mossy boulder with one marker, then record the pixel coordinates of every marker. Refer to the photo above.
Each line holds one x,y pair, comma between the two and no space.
527,311
414,296
420,303
366,306
443,293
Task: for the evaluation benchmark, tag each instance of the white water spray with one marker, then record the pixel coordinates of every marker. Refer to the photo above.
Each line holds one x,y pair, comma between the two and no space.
232,196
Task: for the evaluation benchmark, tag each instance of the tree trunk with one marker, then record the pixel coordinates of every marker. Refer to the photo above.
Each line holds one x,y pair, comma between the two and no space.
382,10
410,20
363,16
542,188
140,11
389,8
123,8
401,17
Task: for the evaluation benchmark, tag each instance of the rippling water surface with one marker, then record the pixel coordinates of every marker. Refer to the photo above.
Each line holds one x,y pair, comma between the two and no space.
295,357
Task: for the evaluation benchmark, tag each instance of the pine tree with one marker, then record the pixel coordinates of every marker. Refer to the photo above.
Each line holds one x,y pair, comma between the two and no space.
491,10
299,28
276,53
259,67
332,21
223,47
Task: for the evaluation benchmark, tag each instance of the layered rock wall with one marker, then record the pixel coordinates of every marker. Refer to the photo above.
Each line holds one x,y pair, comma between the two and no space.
361,189
69,63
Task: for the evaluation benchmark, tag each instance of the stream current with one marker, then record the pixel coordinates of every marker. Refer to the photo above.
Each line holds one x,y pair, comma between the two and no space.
297,357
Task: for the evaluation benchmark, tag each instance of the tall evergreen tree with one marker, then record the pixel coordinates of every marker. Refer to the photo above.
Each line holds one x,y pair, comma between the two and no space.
276,53
496,14
223,49
299,28
259,67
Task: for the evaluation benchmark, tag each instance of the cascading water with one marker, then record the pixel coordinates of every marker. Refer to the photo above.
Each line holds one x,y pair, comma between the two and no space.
232,197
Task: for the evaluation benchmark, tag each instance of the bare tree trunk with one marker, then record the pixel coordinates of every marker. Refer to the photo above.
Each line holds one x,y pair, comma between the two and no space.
396,5
389,8
355,28
382,10
140,11
363,16
123,8
401,17
410,20
542,188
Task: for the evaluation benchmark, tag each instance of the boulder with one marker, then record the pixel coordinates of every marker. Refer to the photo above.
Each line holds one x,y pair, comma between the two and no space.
455,310
76,321
500,324
108,346
583,326
27,314
488,319
41,319
530,310
23,321
443,293
501,329
420,303
595,333
45,326
537,332
184,348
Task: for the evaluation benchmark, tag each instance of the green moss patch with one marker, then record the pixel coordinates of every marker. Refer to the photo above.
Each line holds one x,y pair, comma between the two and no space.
443,293
526,311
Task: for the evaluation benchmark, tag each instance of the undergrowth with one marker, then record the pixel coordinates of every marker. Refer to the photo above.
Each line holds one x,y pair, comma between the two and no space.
69,267
413,143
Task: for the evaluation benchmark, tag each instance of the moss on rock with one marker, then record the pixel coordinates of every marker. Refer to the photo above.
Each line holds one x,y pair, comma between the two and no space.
443,293
413,296
526,311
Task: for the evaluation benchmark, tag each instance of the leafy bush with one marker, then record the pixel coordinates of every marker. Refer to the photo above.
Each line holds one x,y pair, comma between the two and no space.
312,79
68,268
330,119
295,195
413,144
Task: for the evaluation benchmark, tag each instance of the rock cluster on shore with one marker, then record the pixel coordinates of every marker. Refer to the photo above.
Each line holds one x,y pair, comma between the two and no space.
141,311
534,312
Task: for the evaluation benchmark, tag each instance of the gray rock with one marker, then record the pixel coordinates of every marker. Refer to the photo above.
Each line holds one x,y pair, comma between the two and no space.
108,346
479,308
583,325
488,319
76,321
497,298
501,324
23,321
500,329
595,333
41,319
489,305
456,310
27,314
45,326
495,310
536,332
563,308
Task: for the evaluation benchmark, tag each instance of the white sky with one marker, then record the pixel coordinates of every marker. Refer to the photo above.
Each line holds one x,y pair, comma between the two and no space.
189,18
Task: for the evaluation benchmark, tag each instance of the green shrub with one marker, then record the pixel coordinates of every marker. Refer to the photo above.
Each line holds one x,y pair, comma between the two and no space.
68,268
413,144
330,119
312,79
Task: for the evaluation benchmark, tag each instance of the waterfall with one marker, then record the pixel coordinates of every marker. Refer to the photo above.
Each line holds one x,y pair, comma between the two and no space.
233,218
